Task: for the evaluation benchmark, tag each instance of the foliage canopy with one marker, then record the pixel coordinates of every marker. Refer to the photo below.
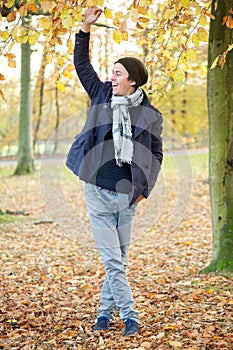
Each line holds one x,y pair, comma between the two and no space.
168,31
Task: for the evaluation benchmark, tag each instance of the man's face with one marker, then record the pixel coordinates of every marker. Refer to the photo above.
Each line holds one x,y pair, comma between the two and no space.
121,86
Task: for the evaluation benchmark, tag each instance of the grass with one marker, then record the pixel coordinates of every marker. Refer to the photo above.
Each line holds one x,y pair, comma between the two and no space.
188,164
6,171
5,218
200,164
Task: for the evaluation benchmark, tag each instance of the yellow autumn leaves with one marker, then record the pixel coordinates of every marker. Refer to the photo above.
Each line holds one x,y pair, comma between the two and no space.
9,3
20,34
59,18
120,20
135,14
228,20
11,60
221,59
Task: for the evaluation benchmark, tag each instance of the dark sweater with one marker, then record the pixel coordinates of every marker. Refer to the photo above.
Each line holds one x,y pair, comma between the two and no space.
110,175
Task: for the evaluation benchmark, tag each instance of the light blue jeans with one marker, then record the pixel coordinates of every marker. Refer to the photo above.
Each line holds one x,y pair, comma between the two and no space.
112,223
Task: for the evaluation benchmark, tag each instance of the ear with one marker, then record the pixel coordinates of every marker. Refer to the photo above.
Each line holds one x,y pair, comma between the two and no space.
133,83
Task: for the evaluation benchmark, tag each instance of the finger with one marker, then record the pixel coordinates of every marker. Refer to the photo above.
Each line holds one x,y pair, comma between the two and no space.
98,12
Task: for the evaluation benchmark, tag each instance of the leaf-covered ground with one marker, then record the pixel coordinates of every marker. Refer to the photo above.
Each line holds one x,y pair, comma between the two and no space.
51,274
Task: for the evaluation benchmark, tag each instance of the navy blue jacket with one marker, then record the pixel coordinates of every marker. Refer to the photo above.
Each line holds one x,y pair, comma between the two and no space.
84,157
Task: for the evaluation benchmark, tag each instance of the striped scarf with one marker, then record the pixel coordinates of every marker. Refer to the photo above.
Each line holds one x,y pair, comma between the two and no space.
121,127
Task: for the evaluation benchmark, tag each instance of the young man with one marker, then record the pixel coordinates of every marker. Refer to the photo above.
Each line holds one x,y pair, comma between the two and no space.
118,155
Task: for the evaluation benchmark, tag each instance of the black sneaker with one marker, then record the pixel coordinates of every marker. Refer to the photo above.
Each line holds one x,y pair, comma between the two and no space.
131,327
101,324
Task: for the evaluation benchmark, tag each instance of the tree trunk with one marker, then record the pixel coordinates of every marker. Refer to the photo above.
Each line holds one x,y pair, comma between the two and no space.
25,153
57,121
39,96
220,110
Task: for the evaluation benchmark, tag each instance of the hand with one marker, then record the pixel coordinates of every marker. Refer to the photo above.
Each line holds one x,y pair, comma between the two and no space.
91,16
139,198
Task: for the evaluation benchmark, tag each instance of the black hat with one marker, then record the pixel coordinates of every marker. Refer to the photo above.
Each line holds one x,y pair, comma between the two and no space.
136,69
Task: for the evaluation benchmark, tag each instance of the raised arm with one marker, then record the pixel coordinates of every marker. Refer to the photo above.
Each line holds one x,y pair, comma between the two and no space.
86,73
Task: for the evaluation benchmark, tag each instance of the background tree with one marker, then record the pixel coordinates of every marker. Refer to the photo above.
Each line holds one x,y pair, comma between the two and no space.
38,97
27,38
220,107
25,145
9,118
192,125
25,150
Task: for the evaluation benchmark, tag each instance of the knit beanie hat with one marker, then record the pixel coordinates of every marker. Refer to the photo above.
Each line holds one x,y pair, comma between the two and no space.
136,69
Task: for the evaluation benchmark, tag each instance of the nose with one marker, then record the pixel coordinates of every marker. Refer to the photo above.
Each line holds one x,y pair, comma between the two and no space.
113,77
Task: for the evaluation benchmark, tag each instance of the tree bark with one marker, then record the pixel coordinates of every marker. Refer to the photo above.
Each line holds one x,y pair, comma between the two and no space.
25,153
57,121
220,111
39,96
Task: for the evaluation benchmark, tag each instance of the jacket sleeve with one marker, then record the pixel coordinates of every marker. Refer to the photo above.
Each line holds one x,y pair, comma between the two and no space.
157,154
86,73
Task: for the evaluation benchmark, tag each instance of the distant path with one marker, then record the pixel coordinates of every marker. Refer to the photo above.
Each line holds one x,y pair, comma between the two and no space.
182,151
9,162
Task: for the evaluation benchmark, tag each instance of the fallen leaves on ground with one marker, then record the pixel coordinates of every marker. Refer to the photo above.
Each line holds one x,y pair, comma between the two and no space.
51,279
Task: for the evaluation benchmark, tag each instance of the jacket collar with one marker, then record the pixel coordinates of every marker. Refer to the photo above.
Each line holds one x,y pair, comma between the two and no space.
148,115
